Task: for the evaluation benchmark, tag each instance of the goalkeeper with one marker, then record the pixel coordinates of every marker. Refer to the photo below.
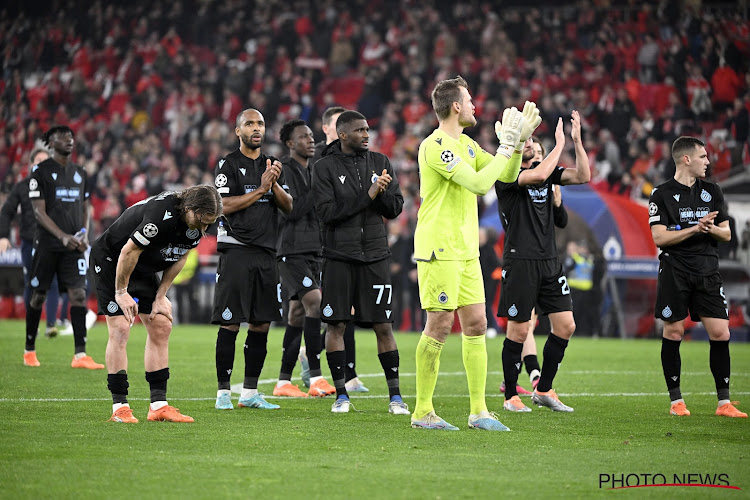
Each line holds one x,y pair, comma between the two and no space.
454,170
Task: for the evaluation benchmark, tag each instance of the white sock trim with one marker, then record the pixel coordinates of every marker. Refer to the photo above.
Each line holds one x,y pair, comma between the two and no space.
156,405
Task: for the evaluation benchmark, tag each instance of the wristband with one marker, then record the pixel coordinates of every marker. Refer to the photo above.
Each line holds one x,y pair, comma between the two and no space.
121,291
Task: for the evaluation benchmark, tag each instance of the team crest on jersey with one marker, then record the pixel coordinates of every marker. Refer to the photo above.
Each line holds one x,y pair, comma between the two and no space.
705,196
33,184
307,282
54,176
328,311
150,230
112,307
221,180
192,233
513,311
443,297
77,178
226,315
652,208
446,156
666,312
374,178
472,154
34,282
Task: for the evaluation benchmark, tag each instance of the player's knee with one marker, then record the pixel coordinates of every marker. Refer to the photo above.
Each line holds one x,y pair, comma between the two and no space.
673,331
383,329
159,329
566,329
722,335
77,297
37,299
119,333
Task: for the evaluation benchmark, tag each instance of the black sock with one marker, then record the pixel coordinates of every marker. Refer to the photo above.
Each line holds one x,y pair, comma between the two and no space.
532,363
511,366
255,357
290,351
336,361
351,352
225,341
554,351
32,327
671,364
157,382
117,383
389,362
720,364
311,332
78,321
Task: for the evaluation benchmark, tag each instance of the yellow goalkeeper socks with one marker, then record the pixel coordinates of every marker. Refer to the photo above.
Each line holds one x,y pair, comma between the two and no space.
474,350
428,363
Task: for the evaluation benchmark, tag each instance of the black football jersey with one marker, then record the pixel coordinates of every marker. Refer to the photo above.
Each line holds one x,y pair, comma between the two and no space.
675,204
527,217
236,175
65,191
156,226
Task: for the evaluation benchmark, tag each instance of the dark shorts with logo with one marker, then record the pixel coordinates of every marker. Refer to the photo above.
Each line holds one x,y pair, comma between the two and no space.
247,287
527,283
70,268
678,292
141,286
366,287
299,275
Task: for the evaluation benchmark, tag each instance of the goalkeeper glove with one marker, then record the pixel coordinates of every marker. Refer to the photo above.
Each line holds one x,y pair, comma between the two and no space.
532,121
509,131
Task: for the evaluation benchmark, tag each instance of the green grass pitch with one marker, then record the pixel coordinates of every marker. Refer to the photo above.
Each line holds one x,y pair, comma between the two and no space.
56,441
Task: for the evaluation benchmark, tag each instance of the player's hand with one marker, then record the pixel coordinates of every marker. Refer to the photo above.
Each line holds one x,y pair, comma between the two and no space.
556,195
128,305
380,185
70,242
706,223
4,245
161,305
531,122
83,243
575,132
271,175
509,131
560,133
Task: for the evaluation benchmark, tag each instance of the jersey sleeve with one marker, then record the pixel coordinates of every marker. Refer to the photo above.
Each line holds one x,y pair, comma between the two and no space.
36,188
556,175
720,206
442,159
86,184
657,211
483,157
225,179
153,227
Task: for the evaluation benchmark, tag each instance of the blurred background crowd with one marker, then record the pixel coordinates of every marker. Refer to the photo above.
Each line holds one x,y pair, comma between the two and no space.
152,89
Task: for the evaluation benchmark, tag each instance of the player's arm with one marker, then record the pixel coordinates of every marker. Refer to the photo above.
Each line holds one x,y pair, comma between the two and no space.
303,201
479,182
281,196
559,213
7,213
330,209
582,173
664,238
389,202
240,202
545,168
44,220
162,304
126,263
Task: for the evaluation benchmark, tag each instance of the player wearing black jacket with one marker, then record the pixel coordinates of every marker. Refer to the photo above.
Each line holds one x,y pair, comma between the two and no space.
253,188
299,258
354,189
151,236
688,218
59,194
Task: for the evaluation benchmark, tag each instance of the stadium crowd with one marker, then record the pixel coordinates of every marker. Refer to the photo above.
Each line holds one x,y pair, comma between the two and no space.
152,89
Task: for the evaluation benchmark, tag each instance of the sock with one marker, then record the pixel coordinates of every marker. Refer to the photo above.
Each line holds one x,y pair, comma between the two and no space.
389,361
290,351
722,402
117,406
554,351
720,364
79,354
78,321
221,392
474,351
532,363
314,379
157,382
225,341
255,357
117,383
248,393
32,327
511,366
282,383
351,352
336,362
428,364
671,364
311,332
157,405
